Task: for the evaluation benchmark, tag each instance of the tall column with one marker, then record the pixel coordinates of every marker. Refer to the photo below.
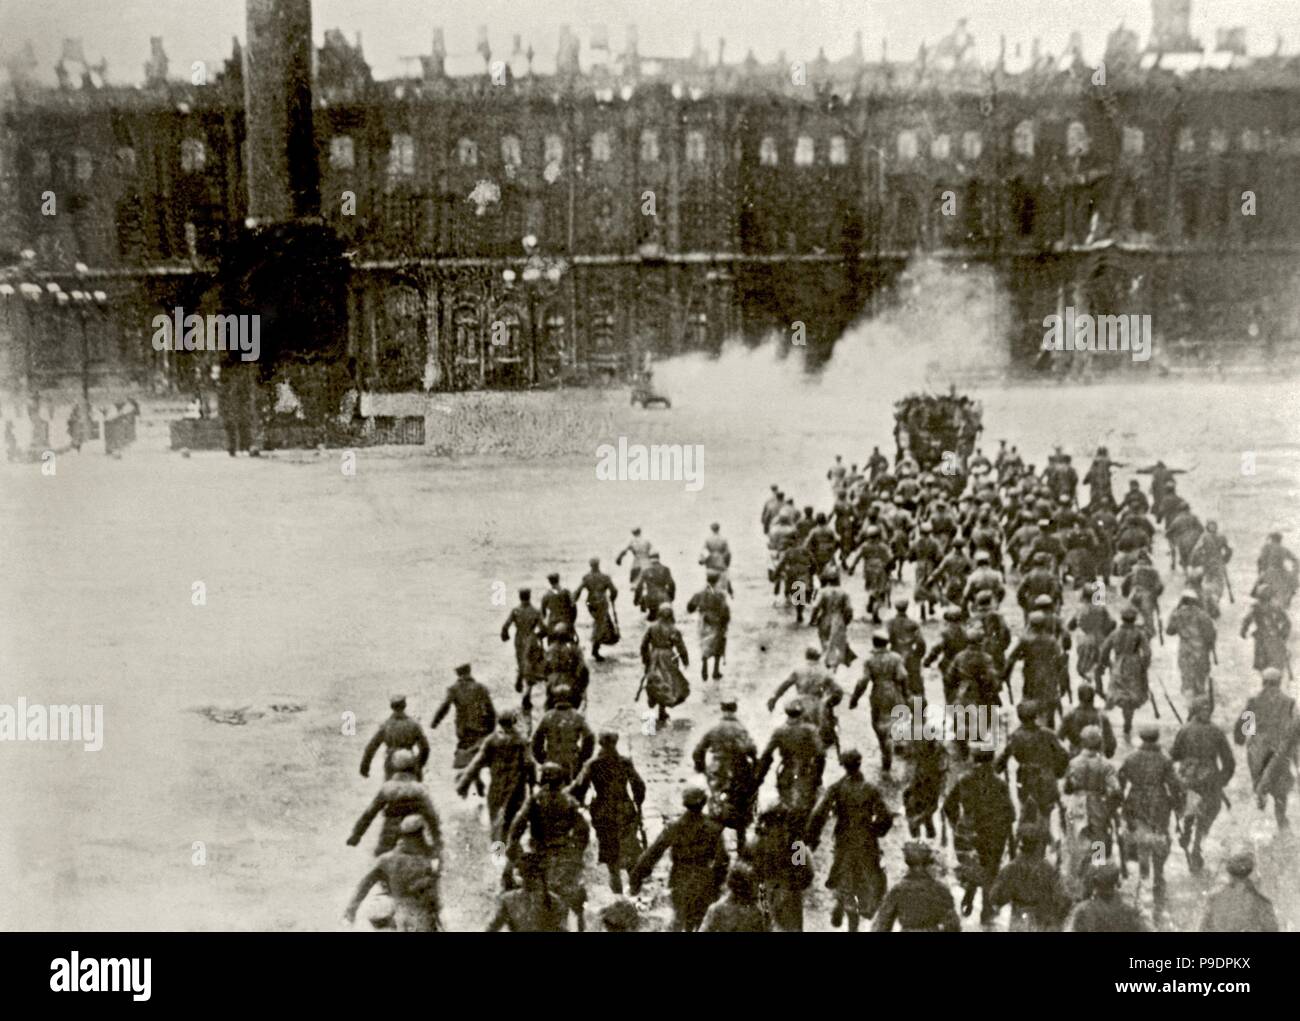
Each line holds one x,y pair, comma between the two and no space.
283,174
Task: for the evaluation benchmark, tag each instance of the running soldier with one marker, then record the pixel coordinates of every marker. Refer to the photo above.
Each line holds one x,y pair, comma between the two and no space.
875,556
655,587
505,756
601,596
952,640
738,911
558,835
616,808
1041,761
1031,885
1152,795
818,694
558,606
926,554
1239,907
1126,652
1211,555
906,640
1092,797
717,557
919,902
1144,587
1264,727
662,649
728,758
715,617
409,872
399,796
476,717
782,864
1196,636
1105,910
641,549
1278,569
395,733
831,613
861,821
533,908
1204,761
883,671
694,842
1086,714
530,656
1042,654
1094,623
565,668
982,817
563,739
803,759
793,578
1272,629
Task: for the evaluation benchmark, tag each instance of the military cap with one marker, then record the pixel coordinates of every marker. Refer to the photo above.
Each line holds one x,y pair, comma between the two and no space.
974,632
525,594
879,638
552,773
665,612
561,628
507,718
1037,617
1149,733
902,603
1105,876
562,696
463,670
412,823
1043,600
712,575
793,709
403,759
873,530
1027,710
1201,704
916,853
728,705
1129,614
553,578
1086,692
396,700
740,880
831,576
1271,675
608,737
850,758
637,530
984,598
1241,864
981,555
1090,737
926,526
694,797
594,561
621,916
1189,596
1031,835
952,613
812,653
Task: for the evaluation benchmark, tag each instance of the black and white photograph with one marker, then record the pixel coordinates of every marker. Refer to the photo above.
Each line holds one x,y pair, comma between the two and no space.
614,465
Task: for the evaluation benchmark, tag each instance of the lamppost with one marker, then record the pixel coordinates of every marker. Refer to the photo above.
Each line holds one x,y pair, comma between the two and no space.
880,226
540,275
27,295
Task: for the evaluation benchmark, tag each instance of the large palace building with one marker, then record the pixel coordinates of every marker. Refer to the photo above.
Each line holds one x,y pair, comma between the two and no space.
522,221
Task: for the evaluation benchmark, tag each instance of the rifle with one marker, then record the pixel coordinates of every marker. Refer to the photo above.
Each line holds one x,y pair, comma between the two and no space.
1160,628
1154,707
1172,707
641,687
1119,847
1287,652
1227,583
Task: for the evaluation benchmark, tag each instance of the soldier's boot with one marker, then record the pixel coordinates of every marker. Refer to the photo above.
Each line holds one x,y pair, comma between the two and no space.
798,613
595,652
837,915
929,827
704,670
717,673
854,921
968,902
615,880
1279,813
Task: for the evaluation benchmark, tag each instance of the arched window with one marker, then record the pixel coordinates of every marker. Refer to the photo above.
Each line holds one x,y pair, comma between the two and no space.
1250,140
511,152
601,147
342,153
940,147
1186,140
553,150
972,144
1022,139
1218,140
401,156
767,152
194,155
82,165
839,151
649,146
1076,139
908,147
695,148
1134,141
804,151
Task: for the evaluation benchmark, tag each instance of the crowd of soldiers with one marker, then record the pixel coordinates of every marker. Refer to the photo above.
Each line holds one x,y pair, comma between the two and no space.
975,536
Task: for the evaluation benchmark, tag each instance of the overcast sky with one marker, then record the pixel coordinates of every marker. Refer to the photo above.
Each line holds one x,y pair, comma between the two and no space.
119,30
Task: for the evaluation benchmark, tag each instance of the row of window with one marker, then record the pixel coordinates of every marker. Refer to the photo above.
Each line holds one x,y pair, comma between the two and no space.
401,157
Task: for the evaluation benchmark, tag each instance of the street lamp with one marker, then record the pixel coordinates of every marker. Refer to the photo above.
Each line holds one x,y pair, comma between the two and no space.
537,268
